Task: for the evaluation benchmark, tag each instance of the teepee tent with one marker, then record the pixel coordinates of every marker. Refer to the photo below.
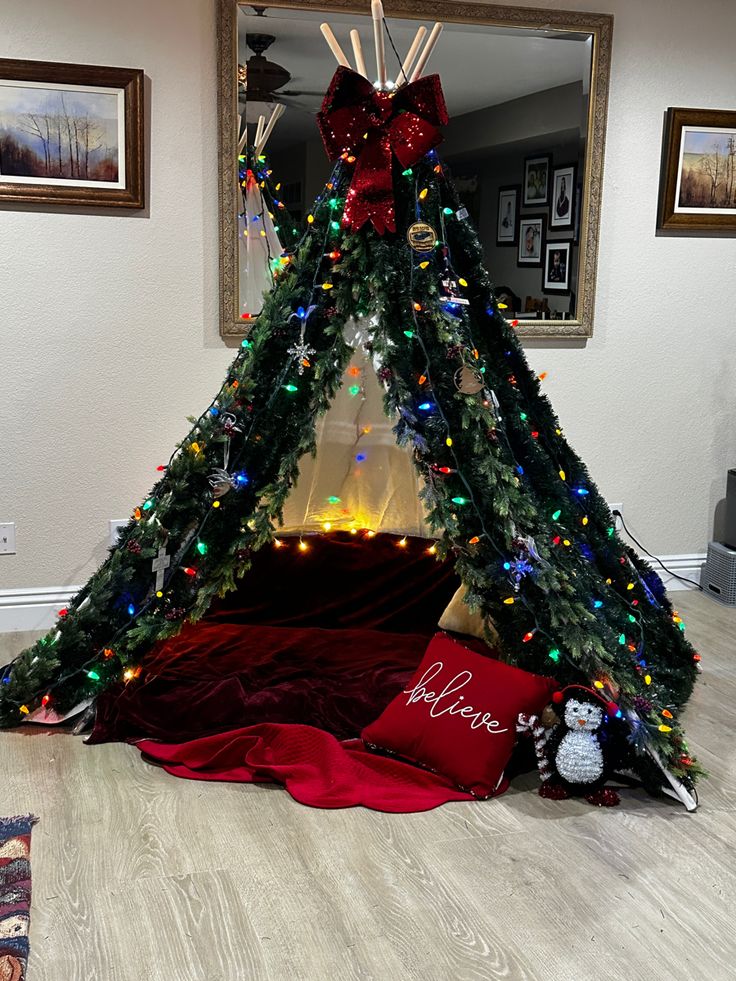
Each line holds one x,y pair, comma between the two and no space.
389,271
266,231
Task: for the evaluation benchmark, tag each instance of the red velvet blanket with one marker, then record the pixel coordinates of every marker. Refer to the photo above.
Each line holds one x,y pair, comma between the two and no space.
315,768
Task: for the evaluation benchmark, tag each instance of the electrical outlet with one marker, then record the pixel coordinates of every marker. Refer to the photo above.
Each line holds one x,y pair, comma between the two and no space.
617,507
116,525
7,538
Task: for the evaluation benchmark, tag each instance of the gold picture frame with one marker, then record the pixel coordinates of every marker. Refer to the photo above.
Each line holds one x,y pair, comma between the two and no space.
598,26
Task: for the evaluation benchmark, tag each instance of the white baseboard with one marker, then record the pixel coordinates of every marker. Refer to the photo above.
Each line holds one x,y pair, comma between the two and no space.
688,566
33,609
37,609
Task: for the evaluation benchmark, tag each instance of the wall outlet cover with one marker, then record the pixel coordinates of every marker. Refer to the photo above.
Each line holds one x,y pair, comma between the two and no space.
617,507
7,538
116,525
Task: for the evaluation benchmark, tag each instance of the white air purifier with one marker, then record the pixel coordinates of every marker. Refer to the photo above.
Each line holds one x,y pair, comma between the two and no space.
718,575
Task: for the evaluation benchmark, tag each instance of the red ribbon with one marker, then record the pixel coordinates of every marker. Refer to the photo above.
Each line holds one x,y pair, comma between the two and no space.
374,126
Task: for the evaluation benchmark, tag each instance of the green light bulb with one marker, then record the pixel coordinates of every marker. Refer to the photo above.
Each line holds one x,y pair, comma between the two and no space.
556,515
459,500
333,500
93,675
447,211
290,387
554,654
408,172
409,333
202,548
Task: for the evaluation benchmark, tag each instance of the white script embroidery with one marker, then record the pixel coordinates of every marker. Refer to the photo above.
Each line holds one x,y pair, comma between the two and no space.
476,717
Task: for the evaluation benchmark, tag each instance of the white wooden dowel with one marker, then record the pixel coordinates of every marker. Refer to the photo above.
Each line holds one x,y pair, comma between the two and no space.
333,45
377,14
411,55
427,51
244,135
358,54
259,130
277,113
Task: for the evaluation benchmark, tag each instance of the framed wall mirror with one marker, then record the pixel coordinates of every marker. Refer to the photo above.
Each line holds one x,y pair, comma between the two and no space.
527,95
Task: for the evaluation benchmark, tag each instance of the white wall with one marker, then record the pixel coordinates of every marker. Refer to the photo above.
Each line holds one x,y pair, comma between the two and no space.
108,323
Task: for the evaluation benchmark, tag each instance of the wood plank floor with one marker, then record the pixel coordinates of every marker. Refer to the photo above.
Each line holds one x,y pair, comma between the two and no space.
138,875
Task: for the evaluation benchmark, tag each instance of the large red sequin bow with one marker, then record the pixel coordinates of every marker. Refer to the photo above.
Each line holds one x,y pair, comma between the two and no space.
373,126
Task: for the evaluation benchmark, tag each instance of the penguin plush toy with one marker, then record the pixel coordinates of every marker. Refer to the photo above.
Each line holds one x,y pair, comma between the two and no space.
578,750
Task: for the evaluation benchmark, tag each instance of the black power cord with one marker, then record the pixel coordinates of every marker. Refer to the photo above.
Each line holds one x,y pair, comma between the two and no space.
638,544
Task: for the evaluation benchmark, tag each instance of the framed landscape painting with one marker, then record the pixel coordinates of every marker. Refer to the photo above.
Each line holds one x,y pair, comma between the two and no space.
71,134
698,186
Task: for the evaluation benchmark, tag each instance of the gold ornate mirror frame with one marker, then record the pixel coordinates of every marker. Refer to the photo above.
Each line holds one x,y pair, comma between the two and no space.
599,26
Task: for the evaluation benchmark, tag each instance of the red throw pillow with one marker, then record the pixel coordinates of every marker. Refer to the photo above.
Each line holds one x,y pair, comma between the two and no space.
458,715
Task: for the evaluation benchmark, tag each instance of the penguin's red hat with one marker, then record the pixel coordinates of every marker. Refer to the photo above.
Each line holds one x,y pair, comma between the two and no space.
560,696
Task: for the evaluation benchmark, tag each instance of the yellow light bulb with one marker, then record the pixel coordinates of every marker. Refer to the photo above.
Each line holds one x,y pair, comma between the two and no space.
310,219
24,710
597,684
664,728
647,679
509,600
402,543
463,282
353,531
423,193
277,543
423,265
303,546
432,550
562,475
327,525
215,504
448,441
327,286
585,521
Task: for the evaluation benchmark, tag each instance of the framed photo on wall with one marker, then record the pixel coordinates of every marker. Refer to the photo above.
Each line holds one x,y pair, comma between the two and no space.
556,272
562,211
698,183
71,134
531,240
536,180
507,223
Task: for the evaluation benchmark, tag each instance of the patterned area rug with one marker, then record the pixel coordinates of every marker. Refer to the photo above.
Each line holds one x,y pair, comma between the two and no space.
15,896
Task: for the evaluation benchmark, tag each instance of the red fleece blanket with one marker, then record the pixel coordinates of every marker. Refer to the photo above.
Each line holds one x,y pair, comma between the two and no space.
315,768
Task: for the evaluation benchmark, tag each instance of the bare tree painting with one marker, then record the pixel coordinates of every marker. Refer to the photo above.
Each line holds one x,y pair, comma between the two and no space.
708,177
69,135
